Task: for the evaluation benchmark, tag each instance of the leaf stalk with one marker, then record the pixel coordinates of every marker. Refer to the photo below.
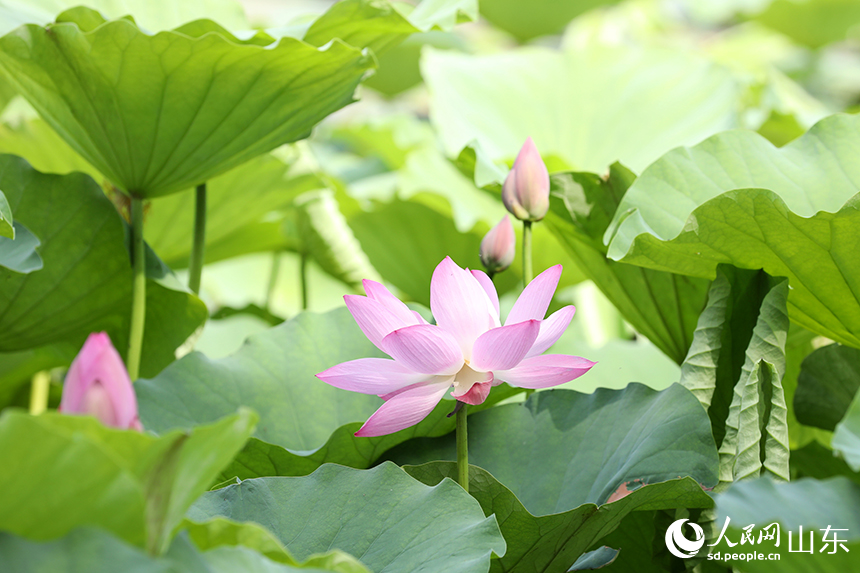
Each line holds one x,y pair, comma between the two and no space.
39,391
462,448
198,247
303,277
138,293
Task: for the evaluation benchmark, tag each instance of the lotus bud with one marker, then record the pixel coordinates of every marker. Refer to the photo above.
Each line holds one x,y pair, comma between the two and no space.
498,246
98,385
526,190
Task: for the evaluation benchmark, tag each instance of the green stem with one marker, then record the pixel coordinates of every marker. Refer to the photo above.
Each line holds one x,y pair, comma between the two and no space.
462,448
198,247
491,274
303,276
138,293
273,279
39,391
527,253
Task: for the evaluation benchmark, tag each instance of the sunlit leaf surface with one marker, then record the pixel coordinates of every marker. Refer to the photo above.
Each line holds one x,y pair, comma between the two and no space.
736,199
215,103
389,520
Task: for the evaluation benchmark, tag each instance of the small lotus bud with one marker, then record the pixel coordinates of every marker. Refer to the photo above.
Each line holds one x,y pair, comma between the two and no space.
98,385
526,190
498,246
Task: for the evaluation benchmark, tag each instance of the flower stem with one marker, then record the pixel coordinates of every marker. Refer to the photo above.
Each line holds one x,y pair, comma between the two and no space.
527,253
39,390
303,276
195,265
273,279
491,274
138,293
462,449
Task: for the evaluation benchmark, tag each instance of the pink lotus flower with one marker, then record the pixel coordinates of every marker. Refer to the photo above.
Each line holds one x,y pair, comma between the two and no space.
526,189
498,246
467,350
98,385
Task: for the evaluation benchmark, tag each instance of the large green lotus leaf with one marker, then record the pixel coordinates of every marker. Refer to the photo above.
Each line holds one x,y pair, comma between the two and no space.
537,18
389,520
89,550
808,503
561,448
94,85
261,459
152,15
736,199
273,373
662,306
304,421
381,26
735,368
828,381
69,471
552,543
557,528
846,437
85,283
235,201
589,107
813,23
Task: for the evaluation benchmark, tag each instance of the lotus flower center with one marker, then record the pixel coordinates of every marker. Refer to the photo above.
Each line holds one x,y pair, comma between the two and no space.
97,402
467,377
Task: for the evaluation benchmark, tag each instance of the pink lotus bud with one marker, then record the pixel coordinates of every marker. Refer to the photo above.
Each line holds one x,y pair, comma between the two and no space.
98,385
499,246
526,190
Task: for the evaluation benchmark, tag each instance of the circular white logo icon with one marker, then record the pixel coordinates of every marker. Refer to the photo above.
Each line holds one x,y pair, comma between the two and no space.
678,544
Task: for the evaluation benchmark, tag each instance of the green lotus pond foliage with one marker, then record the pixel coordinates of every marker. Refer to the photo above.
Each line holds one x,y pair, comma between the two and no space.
429,286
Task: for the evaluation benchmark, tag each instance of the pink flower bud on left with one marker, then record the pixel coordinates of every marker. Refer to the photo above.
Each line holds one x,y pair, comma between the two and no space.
526,189
498,246
98,385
